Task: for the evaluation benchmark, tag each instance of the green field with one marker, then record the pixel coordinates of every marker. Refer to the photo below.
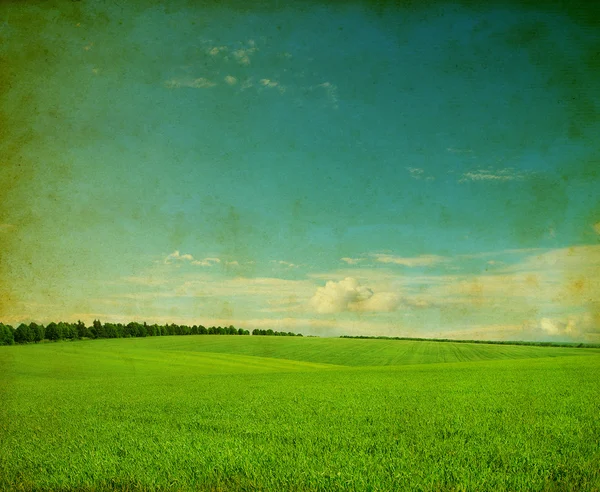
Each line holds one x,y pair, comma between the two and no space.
279,413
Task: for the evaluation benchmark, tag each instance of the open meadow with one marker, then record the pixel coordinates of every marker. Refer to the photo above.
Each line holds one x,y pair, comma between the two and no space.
292,413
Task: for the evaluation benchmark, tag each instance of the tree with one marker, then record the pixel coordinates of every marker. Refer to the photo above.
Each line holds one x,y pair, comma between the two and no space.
6,335
82,331
37,331
98,329
23,334
54,331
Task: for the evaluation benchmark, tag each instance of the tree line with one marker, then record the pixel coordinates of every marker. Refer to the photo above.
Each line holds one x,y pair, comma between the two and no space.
34,332
491,342
276,333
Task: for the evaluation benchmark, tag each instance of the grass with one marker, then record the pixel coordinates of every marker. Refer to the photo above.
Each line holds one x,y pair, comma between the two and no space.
270,413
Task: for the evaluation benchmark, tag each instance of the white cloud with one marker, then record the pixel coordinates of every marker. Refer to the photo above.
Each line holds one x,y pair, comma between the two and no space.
351,261
581,326
596,227
177,256
349,295
415,261
215,50
454,150
418,173
285,263
497,175
206,262
230,80
199,83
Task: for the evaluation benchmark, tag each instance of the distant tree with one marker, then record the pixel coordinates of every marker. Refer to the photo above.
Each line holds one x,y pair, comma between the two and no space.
23,334
153,330
98,329
6,335
111,330
67,330
37,331
141,331
256,331
82,331
202,330
240,331
64,329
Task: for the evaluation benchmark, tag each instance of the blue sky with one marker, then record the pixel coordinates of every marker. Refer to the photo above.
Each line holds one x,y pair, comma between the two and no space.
347,169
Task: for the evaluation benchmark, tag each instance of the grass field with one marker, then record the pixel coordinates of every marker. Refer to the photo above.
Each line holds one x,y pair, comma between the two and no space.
278,413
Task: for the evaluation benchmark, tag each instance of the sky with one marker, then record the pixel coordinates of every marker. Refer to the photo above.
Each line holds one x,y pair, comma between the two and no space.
330,168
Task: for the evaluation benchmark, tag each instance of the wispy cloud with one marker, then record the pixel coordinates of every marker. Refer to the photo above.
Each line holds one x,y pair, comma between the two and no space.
494,175
455,150
5,227
596,227
351,261
283,263
419,173
206,262
198,83
415,261
177,257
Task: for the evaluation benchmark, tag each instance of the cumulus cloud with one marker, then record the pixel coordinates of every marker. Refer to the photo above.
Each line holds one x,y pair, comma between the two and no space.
351,261
416,261
177,256
349,295
576,326
230,80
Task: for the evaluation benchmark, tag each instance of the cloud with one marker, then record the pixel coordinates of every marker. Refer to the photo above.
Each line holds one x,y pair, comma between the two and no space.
351,261
230,80
332,92
497,175
349,295
577,326
176,256
206,262
242,55
284,263
5,227
416,261
199,83
596,227
454,150
418,173
215,50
